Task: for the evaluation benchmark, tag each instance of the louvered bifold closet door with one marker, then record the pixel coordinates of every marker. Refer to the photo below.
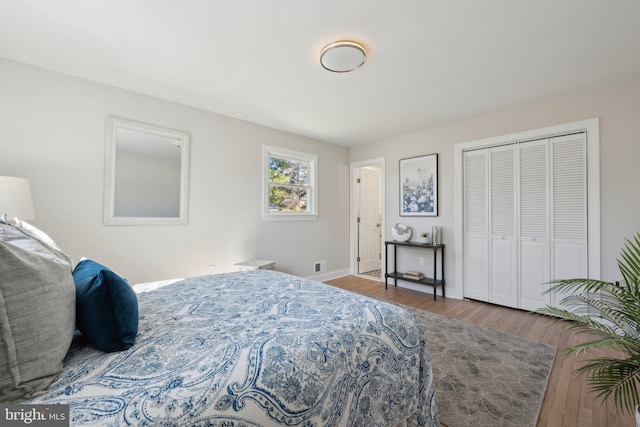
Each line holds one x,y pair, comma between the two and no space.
476,229
533,224
569,209
503,252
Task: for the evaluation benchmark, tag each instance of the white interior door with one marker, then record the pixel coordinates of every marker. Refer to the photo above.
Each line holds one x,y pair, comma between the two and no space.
525,220
369,236
534,224
556,206
503,275
569,213
476,229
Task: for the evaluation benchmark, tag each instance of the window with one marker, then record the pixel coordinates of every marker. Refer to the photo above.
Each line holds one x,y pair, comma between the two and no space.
290,179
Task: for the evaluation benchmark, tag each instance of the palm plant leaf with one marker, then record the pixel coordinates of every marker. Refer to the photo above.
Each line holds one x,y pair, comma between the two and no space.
611,312
574,285
609,343
630,264
613,376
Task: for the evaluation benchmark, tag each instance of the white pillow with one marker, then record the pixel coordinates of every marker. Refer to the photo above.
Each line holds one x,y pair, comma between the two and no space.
28,233
37,311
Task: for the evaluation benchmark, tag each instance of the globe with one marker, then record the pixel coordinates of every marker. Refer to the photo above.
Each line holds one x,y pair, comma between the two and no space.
401,232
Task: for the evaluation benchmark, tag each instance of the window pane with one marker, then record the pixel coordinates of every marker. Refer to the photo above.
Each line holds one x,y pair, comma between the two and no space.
288,199
288,171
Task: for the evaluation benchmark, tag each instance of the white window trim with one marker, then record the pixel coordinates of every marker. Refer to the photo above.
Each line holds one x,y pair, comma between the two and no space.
312,215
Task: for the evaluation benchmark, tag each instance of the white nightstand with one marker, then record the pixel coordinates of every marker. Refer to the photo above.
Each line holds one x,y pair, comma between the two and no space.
255,264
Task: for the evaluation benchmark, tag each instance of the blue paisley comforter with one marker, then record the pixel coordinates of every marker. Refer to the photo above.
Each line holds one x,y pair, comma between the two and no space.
256,348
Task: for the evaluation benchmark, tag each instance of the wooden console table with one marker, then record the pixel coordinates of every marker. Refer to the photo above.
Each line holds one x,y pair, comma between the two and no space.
424,281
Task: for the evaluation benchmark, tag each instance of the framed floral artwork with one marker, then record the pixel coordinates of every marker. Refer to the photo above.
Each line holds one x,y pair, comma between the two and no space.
419,186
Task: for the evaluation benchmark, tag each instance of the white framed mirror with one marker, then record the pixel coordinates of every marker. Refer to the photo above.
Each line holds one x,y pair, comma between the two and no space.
146,174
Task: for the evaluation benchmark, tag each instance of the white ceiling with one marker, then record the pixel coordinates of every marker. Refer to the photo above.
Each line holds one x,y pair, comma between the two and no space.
430,61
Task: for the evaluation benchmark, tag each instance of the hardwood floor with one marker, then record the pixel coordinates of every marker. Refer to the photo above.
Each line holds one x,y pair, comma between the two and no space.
567,402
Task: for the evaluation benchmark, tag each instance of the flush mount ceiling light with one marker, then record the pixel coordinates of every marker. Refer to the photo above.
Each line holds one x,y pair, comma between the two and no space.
343,56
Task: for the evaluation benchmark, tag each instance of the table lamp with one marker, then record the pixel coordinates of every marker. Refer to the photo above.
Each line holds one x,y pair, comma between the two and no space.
15,198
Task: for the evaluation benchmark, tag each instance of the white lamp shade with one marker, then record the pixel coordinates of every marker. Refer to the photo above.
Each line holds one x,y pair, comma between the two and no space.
15,198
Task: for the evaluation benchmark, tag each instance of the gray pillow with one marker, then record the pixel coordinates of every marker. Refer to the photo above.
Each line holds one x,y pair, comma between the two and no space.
37,311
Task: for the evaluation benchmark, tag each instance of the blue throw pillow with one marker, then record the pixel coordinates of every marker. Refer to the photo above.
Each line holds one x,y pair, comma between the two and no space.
106,307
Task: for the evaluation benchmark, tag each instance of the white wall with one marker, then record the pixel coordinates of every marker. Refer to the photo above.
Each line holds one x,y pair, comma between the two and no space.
52,131
618,107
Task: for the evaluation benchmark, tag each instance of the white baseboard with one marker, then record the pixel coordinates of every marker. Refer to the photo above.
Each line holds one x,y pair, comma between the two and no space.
329,275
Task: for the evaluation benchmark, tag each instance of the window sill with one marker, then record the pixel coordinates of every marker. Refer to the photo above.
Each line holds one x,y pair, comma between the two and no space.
290,217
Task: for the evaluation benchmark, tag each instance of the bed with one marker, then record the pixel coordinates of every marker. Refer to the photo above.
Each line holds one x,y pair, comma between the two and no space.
254,348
